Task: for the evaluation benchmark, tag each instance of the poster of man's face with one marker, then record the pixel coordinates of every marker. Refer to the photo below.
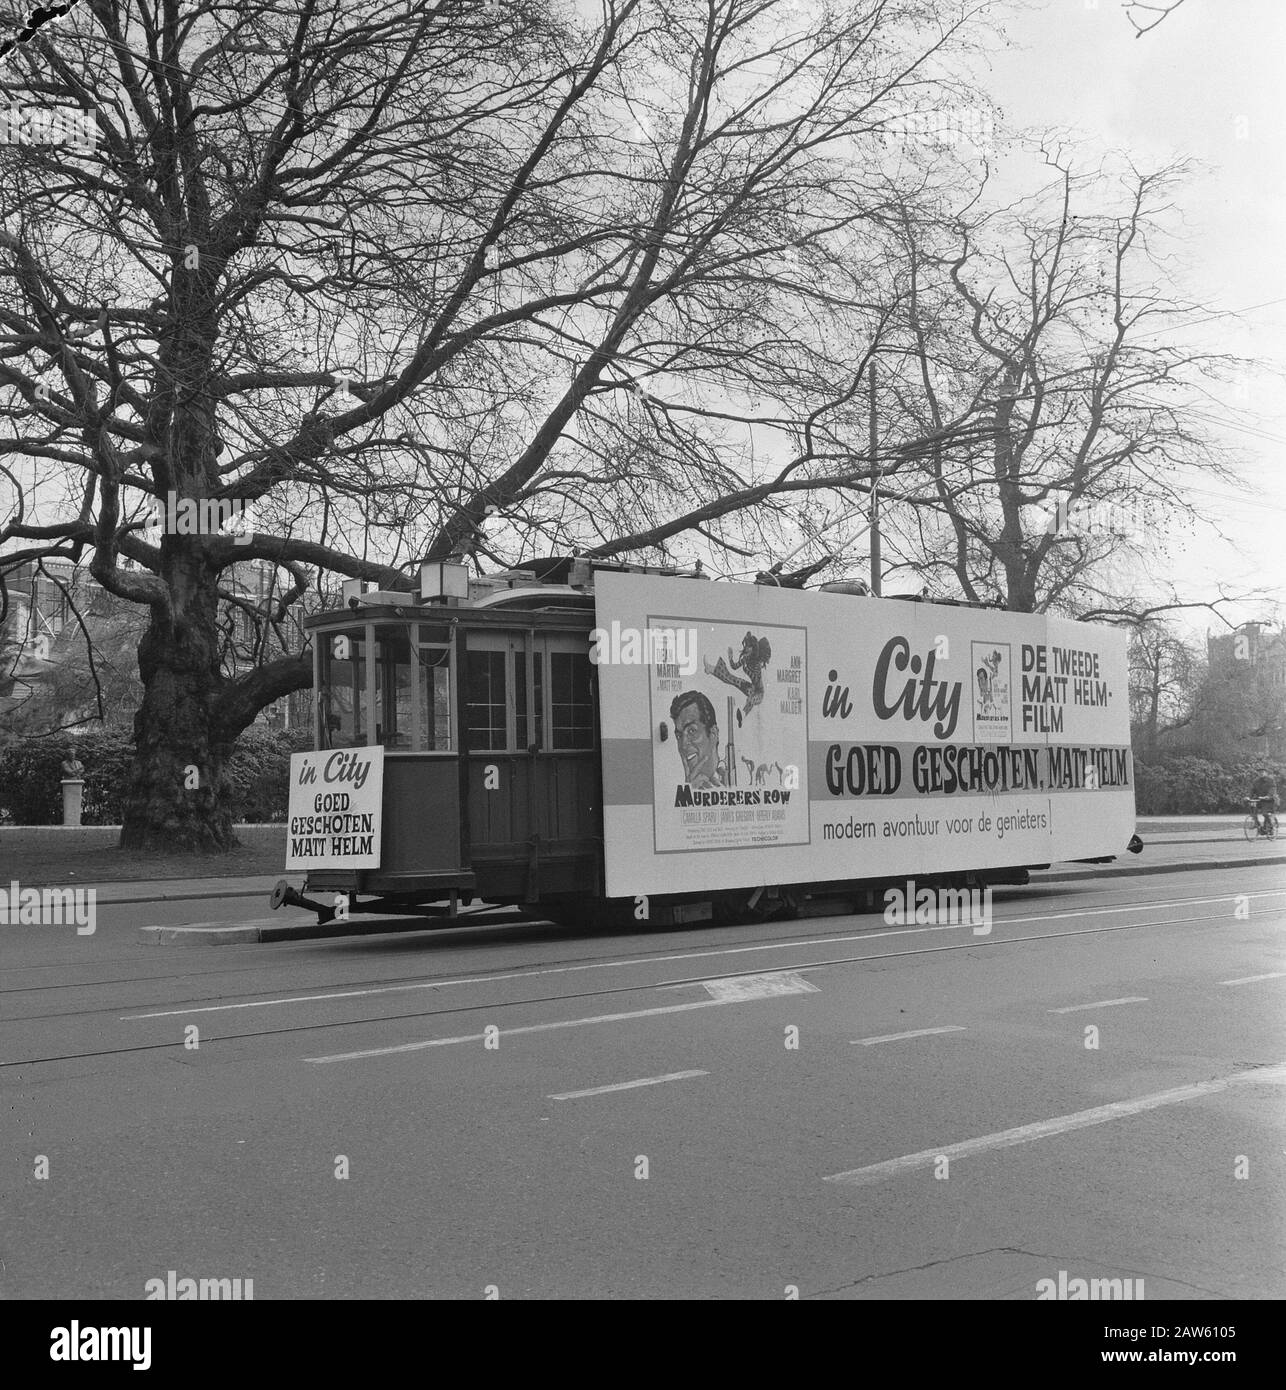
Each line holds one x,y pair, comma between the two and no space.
696,734
737,726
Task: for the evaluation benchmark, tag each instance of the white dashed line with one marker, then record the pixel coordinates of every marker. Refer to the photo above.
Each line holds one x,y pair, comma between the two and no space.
525,1028
1101,1004
627,1085
1253,979
1082,1119
897,1037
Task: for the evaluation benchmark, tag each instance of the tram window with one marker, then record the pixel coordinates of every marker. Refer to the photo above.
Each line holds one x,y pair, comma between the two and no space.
521,739
393,687
435,699
342,696
571,702
485,712
538,660
520,703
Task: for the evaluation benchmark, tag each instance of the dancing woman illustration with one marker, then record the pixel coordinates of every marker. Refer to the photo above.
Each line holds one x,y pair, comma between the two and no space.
987,674
755,655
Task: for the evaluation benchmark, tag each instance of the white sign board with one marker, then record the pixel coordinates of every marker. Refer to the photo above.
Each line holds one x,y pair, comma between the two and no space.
336,809
755,735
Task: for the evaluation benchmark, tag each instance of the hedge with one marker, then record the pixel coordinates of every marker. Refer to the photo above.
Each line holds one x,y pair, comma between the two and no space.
31,776
1187,786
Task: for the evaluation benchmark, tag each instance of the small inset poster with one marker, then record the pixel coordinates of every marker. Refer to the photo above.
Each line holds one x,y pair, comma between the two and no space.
992,722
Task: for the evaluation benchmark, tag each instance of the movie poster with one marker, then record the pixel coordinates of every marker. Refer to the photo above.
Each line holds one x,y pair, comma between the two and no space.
730,746
992,717
755,736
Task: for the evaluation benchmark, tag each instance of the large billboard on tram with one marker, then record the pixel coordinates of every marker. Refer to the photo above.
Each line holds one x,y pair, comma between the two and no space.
755,735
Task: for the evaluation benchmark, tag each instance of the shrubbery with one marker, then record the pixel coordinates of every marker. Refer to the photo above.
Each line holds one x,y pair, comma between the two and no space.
31,776
1187,786
260,774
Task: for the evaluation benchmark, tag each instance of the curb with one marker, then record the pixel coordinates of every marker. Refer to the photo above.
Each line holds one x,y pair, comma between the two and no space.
267,929
178,897
263,930
1194,840
1131,869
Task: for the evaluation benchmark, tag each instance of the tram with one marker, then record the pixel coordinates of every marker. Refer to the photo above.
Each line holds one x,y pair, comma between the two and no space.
598,743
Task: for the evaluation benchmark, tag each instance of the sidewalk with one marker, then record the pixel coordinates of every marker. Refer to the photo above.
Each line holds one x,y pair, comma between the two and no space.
176,890
1176,856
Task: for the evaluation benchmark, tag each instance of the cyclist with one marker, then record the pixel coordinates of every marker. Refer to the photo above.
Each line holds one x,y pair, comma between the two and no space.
1264,793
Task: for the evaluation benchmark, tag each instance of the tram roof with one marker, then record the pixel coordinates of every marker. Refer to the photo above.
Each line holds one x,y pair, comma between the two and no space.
544,592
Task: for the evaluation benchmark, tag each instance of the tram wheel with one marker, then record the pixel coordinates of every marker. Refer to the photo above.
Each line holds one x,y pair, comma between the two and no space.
587,913
787,905
757,905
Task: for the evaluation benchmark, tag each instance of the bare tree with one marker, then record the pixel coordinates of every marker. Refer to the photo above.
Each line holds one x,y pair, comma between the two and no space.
388,269
1163,678
1056,319
1146,16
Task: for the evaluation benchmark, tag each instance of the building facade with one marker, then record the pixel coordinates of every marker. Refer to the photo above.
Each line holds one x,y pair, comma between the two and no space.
45,680
1253,659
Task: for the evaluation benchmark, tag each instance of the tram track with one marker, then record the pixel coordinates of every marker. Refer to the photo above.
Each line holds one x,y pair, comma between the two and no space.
336,989
608,991
283,955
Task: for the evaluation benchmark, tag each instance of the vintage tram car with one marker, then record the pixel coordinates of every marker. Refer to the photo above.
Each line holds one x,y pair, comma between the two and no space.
481,699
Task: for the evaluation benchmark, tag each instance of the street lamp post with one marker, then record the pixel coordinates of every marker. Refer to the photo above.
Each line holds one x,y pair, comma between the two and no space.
875,493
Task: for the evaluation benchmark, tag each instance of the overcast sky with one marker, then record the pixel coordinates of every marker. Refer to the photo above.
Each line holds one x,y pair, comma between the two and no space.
1207,84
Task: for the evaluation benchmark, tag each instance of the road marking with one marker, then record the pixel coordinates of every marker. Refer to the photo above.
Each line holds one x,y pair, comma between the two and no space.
1101,1004
719,951
525,1028
1252,979
627,1085
770,985
897,1037
1063,1124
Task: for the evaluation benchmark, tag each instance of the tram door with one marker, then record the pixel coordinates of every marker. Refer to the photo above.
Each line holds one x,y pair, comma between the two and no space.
390,683
411,700
529,728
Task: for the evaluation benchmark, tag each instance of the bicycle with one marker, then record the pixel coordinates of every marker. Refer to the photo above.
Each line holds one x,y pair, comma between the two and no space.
1251,827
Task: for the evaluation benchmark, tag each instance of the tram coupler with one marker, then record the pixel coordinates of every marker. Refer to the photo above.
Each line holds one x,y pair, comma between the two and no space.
283,895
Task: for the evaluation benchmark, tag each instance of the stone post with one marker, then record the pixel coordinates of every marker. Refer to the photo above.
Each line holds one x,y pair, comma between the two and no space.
73,790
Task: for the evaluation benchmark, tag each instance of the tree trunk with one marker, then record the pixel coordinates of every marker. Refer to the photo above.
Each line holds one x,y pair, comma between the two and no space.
178,793
1154,707
1020,566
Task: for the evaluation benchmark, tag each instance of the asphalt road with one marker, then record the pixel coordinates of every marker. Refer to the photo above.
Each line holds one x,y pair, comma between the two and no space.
491,1094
